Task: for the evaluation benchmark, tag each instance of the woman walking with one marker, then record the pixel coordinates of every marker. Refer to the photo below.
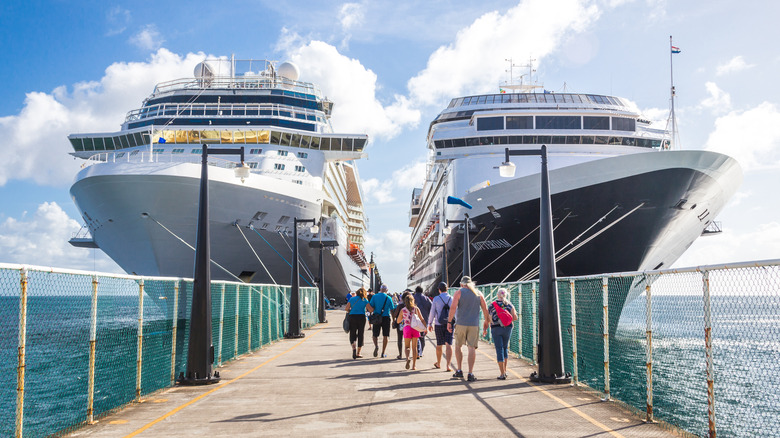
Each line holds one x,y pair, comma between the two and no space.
356,308
411,335
502,313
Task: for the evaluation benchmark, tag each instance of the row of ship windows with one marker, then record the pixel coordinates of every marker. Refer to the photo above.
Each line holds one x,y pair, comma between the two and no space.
280,153
547,139
556,122
534,98
218,137
191,110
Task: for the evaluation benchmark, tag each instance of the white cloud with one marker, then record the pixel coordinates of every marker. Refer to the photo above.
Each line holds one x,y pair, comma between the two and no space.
352,87
391,252
749,136
407,177
475,61
39,132
735,64
117,20
350,15
42,240
718,101
148,38
761,243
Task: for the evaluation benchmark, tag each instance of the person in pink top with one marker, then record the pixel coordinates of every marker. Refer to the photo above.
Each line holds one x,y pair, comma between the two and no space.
410,335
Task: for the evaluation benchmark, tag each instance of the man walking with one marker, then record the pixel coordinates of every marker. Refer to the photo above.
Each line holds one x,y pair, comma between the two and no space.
424,303
437,322
466,304
381,304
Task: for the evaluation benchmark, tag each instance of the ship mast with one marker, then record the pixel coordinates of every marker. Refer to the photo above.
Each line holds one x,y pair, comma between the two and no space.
674,140
521,87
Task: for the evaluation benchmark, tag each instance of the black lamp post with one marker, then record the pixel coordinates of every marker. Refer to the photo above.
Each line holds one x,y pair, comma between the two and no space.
200,351
466,243
322,244
372,277
294,329
445,274
550,347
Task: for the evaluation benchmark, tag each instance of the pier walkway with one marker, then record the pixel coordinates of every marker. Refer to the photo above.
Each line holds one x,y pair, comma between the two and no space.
313,387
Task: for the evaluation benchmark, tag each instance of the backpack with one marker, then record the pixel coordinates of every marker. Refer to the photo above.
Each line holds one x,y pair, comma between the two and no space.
504,317
445,312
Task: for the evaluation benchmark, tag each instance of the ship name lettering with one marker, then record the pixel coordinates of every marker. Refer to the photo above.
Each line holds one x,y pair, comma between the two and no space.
491,244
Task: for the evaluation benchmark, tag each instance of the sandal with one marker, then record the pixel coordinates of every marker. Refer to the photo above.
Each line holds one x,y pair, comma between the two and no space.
436,365
407,363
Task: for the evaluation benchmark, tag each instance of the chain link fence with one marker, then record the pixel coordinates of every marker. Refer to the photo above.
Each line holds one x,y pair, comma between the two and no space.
81,345
698,348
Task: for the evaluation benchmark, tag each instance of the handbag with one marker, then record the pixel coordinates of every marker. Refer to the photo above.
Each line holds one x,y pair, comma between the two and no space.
416,323
376,318
504,317
345,324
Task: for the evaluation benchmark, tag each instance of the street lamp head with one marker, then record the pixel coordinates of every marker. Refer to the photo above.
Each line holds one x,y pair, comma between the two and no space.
447,230
242,171
333,250
314,229
506,169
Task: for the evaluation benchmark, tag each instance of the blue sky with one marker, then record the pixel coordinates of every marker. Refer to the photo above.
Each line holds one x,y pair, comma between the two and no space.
390,67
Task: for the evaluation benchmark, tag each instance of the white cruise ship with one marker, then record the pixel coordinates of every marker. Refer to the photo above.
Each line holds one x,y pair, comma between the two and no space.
138,189
622,200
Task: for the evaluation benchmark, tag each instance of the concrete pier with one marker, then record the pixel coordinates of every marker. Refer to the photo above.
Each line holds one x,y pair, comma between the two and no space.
313,387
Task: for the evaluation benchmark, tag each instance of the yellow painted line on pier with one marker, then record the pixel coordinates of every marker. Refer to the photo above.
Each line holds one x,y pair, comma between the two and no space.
222,385
587,417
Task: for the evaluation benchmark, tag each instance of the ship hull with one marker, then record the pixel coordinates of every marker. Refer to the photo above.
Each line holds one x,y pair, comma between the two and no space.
618,214
145,219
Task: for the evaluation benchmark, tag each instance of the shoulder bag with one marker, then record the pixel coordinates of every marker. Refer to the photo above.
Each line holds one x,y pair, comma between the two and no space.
376,318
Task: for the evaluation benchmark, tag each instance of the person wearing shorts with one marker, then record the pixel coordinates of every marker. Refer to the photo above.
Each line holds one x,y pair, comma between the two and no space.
437,323
381,303
466,304
411,335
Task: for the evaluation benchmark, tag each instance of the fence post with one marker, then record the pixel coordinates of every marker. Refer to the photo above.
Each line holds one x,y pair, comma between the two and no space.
238,302
221,323
649,351
249,322
534,328
22,346
92,339
139,362
708,350
174,328
575,373
520,319
605,302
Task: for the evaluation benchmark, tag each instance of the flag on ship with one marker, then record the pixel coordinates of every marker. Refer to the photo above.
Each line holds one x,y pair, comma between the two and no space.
675,49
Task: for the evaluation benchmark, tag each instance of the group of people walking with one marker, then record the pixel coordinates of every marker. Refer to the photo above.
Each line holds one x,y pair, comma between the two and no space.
413,315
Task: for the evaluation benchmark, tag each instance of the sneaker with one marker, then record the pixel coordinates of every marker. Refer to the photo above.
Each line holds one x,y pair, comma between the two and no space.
501,377
471,377
458,374
376,351
384,355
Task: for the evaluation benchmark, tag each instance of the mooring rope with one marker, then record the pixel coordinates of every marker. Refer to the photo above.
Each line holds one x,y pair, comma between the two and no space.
258,257
303,262
277,253
535,248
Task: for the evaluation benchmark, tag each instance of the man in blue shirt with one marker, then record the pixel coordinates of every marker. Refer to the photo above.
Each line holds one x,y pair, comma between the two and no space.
381,304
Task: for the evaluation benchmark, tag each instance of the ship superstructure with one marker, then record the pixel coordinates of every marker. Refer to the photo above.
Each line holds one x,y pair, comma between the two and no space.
138,189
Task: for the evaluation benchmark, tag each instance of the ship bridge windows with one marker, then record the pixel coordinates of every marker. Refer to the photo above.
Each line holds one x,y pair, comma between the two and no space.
623,124
490,123
520,122
558,122
546,139
256,151
595,122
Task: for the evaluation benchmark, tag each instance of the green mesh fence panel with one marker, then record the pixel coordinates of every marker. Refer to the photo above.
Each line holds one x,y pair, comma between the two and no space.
529,331
157,334
10,290
514,298
228,323
243,319
590,325
57,351
183,326
564,310
627,343
256,326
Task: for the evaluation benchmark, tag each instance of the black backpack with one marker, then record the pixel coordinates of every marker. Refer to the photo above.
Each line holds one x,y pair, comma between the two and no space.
445,312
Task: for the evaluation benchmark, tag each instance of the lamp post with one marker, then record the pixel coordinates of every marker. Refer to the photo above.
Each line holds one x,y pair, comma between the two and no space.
371,277
294,329
200,351
550,347
445,274
321,280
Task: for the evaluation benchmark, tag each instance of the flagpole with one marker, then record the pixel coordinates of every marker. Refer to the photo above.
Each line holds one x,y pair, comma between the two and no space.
671,73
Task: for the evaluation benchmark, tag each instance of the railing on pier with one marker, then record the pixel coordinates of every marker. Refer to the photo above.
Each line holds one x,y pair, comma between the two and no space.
81,345
697,348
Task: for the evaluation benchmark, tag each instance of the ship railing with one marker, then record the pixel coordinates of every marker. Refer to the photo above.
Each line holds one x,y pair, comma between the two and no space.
155,157
75,318
223,111
678,346
258,82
